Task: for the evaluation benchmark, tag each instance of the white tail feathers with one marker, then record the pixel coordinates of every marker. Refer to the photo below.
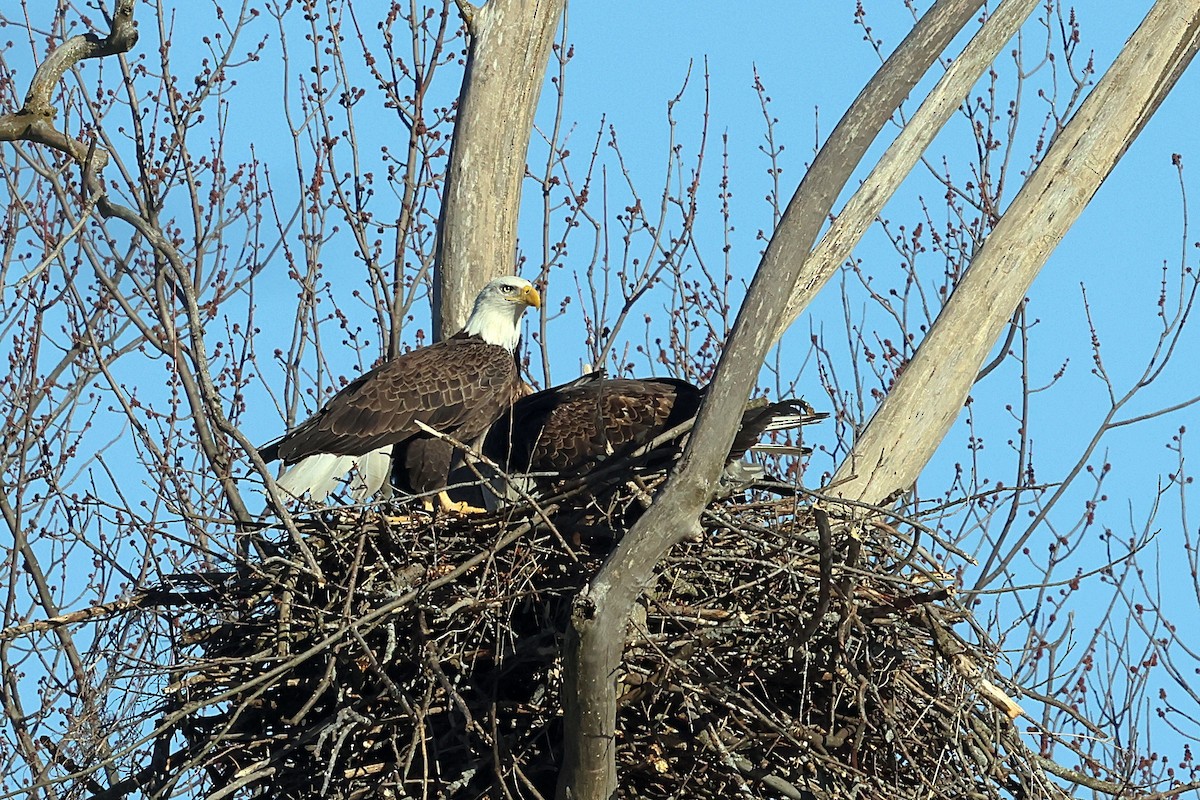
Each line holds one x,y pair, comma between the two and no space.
320,474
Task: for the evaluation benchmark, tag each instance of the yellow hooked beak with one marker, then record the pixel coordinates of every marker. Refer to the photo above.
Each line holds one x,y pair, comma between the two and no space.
530,297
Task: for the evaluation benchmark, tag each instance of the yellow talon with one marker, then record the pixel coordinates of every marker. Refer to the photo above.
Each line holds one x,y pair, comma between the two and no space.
462,508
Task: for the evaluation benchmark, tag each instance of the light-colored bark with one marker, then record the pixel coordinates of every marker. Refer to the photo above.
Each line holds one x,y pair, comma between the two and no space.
34,122
898,161
595,643
930,392
913,420
511,41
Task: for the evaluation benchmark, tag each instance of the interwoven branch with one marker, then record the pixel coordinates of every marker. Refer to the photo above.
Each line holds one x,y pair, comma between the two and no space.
784,652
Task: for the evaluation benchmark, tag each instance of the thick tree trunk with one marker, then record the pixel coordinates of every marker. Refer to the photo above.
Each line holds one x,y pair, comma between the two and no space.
596,642
511,42
930,392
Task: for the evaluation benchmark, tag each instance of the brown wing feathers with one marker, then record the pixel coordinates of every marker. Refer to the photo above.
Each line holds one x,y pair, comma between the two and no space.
564,428
567,428
457,387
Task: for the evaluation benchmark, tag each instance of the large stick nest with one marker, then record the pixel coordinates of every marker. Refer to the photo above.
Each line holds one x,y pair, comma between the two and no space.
779,655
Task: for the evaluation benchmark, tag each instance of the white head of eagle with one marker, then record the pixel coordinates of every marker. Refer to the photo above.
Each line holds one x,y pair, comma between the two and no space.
496,315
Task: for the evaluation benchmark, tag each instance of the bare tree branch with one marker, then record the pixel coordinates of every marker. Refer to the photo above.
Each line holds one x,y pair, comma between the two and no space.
911,423
598,622
34,122
897,162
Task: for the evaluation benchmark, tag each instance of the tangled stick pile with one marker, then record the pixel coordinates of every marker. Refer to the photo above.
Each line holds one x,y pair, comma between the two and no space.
783,654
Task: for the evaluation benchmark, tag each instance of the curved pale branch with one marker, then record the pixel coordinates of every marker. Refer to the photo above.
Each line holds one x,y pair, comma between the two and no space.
596,642
912,421
34,122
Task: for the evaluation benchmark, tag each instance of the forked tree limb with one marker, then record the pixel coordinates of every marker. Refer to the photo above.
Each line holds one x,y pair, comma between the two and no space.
596,640
865,205
912,421
34,122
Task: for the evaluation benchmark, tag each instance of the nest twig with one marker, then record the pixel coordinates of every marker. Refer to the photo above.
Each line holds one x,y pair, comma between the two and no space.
786,653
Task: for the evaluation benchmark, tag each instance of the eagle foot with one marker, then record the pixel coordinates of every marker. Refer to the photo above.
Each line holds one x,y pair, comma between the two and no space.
463,509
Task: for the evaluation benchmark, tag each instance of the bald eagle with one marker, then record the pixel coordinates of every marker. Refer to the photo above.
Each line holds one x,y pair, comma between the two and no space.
456,387
567,430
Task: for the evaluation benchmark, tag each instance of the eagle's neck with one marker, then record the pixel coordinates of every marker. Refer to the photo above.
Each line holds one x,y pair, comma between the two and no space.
497,323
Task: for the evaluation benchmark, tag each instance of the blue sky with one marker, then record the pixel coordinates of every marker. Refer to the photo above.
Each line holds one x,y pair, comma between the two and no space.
631,58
